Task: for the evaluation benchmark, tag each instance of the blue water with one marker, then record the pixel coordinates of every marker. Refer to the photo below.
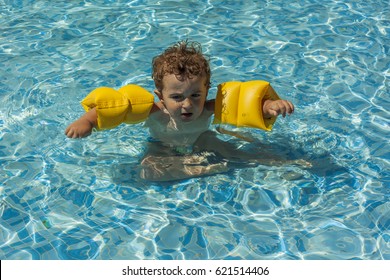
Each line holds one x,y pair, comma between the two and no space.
81,199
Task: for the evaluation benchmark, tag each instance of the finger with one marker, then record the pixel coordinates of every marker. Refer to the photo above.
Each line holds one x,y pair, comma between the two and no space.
290,107
71,133
68,132
282,108
273,112
286,107
77,134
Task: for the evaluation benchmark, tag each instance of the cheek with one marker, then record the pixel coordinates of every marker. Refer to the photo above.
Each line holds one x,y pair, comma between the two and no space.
200,103
198,108
172,106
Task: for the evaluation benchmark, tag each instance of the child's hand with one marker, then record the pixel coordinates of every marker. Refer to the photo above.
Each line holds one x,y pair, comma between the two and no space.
79,129
83,126
274,108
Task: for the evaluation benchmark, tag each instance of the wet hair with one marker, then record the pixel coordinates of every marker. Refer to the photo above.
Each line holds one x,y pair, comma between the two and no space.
184,59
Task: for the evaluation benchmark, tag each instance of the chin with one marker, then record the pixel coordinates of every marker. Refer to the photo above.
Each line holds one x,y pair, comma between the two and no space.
187,120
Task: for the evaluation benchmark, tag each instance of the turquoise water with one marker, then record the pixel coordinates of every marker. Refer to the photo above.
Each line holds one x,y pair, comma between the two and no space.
81,199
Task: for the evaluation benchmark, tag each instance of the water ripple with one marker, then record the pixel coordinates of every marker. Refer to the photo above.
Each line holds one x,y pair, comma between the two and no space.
67,199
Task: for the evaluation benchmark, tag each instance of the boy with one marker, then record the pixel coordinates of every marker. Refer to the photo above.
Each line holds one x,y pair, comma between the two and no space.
179,122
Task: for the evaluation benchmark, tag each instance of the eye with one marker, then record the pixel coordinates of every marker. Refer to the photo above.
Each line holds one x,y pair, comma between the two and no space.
196,95
177,97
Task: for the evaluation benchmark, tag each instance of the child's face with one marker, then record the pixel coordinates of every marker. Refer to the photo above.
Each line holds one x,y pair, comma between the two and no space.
184,99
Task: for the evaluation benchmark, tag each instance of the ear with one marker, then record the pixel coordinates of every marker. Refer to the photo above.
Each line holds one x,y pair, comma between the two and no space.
208,86
159,95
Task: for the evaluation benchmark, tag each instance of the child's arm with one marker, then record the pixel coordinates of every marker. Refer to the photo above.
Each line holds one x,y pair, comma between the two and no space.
274,108
271,108
83,126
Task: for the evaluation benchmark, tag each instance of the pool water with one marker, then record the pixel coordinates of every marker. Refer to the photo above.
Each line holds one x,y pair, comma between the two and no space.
82,199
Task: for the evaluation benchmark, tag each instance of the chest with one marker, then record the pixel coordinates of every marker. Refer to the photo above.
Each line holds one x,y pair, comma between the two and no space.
165,129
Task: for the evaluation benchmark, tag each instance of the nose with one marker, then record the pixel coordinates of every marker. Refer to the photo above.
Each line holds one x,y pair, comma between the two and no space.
186,104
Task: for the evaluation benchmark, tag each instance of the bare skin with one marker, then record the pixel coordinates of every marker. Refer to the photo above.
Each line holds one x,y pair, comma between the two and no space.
177,106
83,126
180,122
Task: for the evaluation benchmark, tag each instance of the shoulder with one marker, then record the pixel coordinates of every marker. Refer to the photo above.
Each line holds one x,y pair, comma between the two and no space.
157,110
157,114
209,106
157,107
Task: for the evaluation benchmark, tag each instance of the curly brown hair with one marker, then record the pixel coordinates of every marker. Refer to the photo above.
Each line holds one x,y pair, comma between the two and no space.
184,59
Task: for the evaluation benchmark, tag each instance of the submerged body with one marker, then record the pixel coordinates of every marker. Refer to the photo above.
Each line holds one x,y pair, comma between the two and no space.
179,121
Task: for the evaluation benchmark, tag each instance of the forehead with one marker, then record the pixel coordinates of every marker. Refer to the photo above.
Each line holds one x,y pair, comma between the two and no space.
179,83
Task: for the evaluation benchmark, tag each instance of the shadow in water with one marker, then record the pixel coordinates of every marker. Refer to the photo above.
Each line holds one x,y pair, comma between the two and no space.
282,154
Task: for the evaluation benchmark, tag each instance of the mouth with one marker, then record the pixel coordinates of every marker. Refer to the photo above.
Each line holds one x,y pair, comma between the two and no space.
186,116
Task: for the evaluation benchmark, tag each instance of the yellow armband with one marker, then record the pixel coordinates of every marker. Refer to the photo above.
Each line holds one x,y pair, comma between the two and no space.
129,104
241,104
